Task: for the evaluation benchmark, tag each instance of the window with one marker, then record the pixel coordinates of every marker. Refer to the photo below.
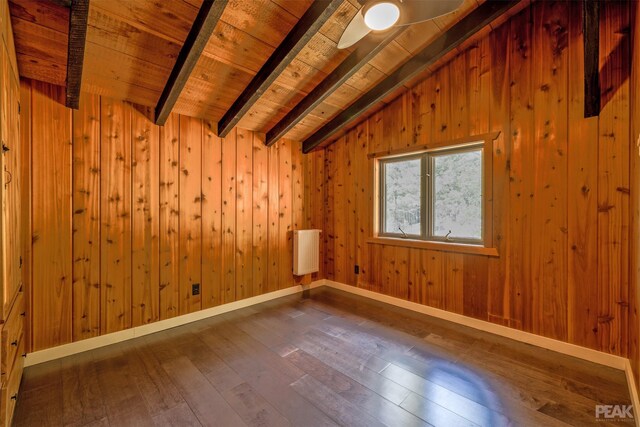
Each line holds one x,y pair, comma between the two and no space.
435,195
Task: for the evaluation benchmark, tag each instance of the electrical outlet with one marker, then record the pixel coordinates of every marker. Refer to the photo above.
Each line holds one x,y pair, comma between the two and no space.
195,289
356,269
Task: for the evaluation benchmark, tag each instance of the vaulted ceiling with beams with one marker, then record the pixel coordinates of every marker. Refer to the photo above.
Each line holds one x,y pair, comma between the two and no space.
132,46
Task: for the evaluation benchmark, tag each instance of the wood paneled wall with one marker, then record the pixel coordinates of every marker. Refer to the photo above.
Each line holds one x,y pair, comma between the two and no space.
127,216
634,350
561,183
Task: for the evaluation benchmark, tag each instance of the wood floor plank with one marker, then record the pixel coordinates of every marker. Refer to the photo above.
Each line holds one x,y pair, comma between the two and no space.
208,405
254,410
476,412
271,385
82,398
180,415
159,392
123,401
382,409
44,408
433,413
330,359
341,410
354,369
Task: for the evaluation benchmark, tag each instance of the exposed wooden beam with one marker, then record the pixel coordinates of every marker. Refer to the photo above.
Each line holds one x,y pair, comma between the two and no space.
317,14
591,39
63,3
449,40
197,39
365,51
78,17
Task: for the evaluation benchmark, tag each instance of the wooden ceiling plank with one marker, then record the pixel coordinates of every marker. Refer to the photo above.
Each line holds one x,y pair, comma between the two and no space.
78,18
197,39
591,29
313,19
447,42
366,50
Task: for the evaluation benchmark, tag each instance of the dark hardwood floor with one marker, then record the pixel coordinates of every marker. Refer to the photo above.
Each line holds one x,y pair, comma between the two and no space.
331,359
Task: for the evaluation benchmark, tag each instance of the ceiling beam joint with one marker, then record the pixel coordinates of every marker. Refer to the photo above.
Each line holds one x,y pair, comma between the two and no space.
78,18
308,25
591,40
365,50
196,41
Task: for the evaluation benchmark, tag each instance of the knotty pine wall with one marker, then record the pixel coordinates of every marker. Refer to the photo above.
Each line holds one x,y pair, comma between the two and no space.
125,216
634,353
561,208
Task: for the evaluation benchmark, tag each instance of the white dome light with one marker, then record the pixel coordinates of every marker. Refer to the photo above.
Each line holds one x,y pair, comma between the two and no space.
381,16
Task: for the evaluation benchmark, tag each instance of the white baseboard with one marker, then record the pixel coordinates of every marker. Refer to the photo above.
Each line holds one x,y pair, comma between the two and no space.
504,331
115,337
633,392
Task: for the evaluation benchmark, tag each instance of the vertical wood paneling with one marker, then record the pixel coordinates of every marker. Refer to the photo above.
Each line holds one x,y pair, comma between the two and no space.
190,212
229,217
51,218
432,278
498,100
212,272
330,167
458,101
613,177
314,200
86,218
285,223
560,183
634,325
273,232
549,240
479,74
260,215
422,108
582,200
26,234
521,193
115,194
145,226
396,123
244,216
169,215
340,210
349,204
297,198
441,106
453,279
131,215
363,201
475,275
377,135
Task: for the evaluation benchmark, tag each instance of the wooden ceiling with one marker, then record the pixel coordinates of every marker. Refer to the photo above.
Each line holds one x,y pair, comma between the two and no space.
132,46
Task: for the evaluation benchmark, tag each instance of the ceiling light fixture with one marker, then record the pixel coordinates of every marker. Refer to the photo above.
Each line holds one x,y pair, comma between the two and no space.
381,16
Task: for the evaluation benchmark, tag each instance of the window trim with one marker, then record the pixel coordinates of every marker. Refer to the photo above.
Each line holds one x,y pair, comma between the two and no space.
456,149
486,246
382,203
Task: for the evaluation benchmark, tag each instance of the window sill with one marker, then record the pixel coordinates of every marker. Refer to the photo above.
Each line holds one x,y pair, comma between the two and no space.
436,246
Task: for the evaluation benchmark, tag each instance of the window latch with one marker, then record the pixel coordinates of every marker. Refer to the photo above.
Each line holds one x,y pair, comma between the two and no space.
404,235
446,237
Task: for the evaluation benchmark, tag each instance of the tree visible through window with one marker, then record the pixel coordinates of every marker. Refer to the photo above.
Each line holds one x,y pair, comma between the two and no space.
402,187
457,195
433,195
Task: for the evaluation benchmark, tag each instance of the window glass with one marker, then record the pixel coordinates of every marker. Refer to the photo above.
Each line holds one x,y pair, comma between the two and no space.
403,195
457,195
